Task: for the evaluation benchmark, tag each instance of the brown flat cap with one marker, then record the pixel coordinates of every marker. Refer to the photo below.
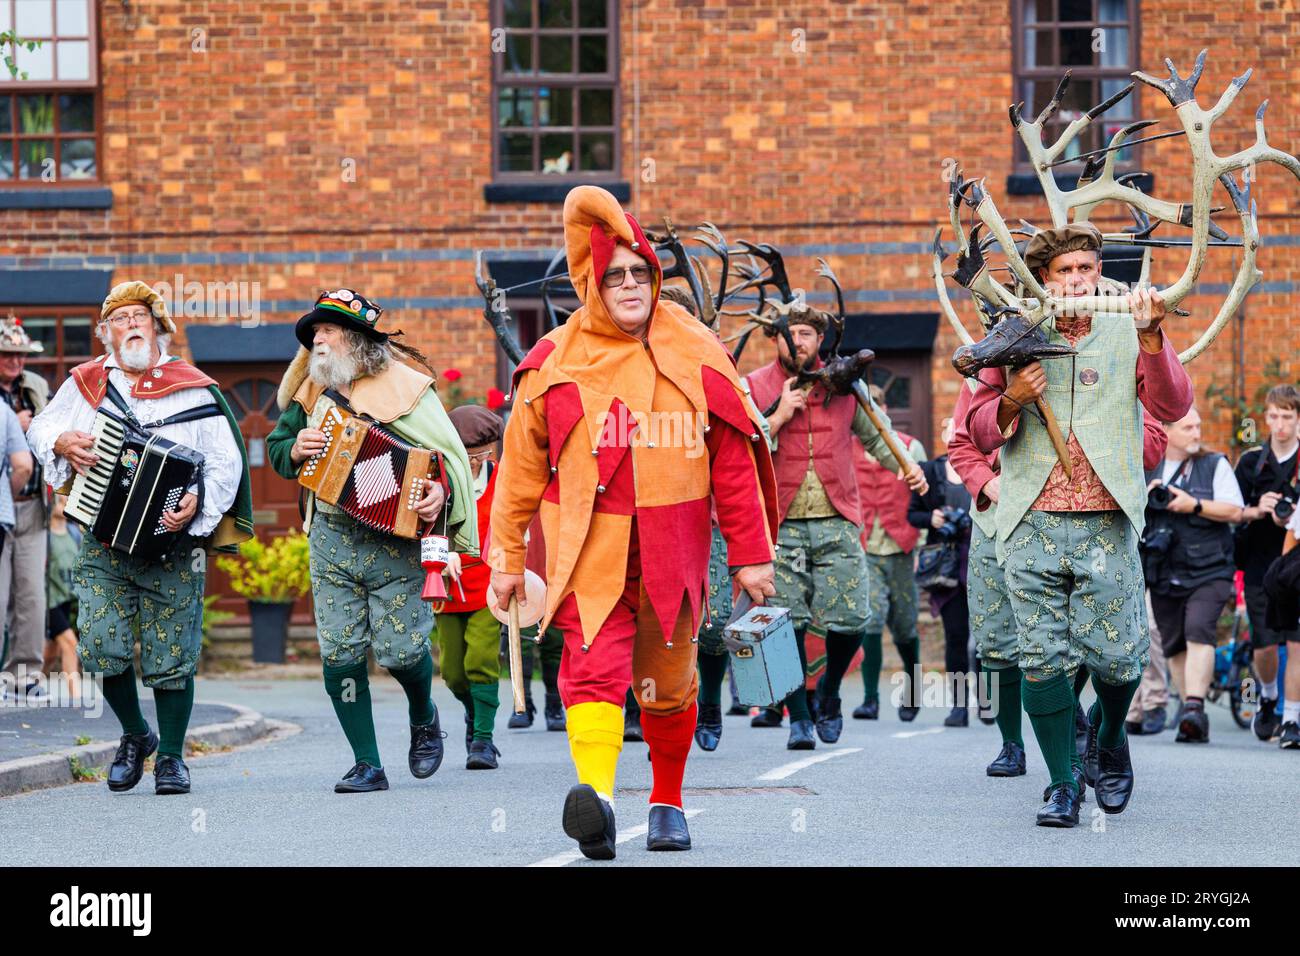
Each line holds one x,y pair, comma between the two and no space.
1050,243
476,425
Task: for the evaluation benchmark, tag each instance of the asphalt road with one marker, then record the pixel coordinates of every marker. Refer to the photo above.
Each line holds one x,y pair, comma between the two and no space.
887,794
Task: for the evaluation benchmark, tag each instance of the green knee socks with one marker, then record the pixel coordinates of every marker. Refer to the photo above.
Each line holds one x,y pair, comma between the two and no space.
1113,701
486,700
349,692
417,682
713,671
1008,702
124,700
840,648
871,655
174,708
1050,706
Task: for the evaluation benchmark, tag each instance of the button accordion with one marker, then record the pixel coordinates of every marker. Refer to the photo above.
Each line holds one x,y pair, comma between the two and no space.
371,474
138,478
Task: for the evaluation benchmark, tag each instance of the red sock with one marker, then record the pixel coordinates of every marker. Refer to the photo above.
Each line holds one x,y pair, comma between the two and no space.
669,737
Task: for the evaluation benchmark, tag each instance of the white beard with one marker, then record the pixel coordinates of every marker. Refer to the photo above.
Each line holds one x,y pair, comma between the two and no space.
135,356
330,370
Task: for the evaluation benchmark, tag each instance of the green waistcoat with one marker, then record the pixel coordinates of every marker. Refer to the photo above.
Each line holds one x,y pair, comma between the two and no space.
1105,416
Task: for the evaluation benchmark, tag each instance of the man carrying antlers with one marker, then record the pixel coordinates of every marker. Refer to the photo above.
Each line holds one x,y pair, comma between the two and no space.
1069,544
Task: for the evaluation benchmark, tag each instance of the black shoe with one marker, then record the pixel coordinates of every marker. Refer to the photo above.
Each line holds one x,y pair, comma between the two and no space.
908,714
1082,728
632,726
1133,728
524,720
708,730
814,703
482,755
1114,784
1062,807
1290,736
957,717
1010,761
867,710
1267,720
737,709
425,755
128,763
668,829
801,736
830,720
987,720
767,717
553,712
1090,771
362,778
1193,726
589,820
1153,720
1080,782
170,775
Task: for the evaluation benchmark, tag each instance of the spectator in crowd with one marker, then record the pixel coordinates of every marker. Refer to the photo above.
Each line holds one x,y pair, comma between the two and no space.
60,639
1148,713
1267,477
945,509
1283,615
15,471
1193,501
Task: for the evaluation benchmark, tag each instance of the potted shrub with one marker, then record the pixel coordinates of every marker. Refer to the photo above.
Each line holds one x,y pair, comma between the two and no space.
272,577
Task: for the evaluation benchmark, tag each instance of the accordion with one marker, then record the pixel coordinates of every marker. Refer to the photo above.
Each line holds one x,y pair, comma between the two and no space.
370,473
138,478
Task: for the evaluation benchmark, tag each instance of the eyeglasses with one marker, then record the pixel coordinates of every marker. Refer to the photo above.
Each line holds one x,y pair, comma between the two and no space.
613,278
122,319
481,456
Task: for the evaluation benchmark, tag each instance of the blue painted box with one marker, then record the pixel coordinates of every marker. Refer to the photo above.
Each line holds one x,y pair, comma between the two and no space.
764,657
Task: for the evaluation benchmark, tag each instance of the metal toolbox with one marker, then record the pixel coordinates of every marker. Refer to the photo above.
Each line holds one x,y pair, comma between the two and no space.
764,657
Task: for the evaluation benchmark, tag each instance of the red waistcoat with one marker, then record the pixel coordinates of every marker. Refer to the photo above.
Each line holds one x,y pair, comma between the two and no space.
474,572
834,446
884,496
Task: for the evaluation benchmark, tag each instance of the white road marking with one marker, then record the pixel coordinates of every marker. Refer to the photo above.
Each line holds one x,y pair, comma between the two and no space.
786,770
903,735
563,859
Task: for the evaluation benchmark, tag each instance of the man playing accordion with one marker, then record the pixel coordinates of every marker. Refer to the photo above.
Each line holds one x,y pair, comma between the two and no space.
120,593
366,583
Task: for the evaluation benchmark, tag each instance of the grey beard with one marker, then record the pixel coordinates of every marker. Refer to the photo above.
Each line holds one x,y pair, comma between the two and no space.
332,370
135,356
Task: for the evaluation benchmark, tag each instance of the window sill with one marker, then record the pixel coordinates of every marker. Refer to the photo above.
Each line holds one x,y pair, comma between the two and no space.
1027,184
57,198
549,192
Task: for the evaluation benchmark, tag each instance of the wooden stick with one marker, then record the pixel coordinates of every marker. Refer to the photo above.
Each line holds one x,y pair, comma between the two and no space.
1058,440
516,656
905,462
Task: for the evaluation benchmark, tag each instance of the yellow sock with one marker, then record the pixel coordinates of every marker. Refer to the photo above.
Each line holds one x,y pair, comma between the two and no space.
595,740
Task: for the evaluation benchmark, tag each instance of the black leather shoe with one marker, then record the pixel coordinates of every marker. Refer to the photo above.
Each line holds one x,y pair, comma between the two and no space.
867,710
524,720
1090,771
1082,728
668,829
362,778
1114,784
1133,728
1153,720
908,714
425,755
1010,761
1080,782
708,729
553,712
589,820
482,755
830,720
957,717
170,775
767,717
1062,807
1193,726
1290,739
128,763
1267,721
801,736
737,709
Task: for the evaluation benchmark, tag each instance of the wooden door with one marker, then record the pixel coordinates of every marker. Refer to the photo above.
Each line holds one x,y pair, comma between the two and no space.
905,378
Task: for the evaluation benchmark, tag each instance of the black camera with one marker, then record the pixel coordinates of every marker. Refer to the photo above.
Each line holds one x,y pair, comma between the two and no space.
955,522
1284,508
1158,498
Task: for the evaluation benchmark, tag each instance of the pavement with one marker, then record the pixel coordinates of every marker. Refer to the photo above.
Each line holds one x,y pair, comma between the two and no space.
887,794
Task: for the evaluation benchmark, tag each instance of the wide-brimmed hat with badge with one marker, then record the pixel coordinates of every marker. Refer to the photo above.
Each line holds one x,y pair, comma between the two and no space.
348,309
14,338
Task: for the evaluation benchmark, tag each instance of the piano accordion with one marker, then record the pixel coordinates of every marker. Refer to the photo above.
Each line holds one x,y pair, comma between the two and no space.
370,474
139,477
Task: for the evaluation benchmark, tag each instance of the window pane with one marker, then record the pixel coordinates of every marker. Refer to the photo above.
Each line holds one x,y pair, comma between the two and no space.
1076,48
76,113
34,155
519,53
514,106
519,13
596,107
1038,11
1038,48
598,151
1113,47
5,22
43,329
593,13
593,54
36,114
72,18
515,153
557,152
555,13
555,54
1076,10
74,59
77,159
38,64
555,106
6,114
76,336
244,391
35,18
1110,11
1121,110
7,159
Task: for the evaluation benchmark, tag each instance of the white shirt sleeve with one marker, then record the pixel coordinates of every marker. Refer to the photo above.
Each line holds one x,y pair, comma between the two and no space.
67,411
1294,524
221,472
1226,488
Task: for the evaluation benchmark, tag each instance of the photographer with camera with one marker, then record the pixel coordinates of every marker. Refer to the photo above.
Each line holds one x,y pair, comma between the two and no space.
941,568
1193,499
1282,585
1267,477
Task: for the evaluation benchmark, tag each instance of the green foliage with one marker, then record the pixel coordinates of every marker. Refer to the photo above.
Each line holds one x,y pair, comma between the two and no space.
1246,415
83,774
276,572
212,617
9,43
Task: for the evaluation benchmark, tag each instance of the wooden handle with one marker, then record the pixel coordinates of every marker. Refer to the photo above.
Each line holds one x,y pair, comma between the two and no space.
516,656
1058,440
905,462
